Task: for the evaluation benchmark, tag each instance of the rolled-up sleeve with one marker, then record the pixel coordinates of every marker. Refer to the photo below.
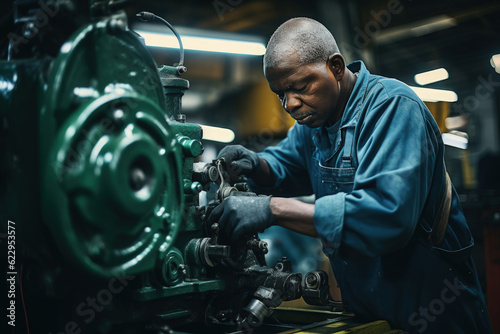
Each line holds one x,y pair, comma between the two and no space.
396,152
329,221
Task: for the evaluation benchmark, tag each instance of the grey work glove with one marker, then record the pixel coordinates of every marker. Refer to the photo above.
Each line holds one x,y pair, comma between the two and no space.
240,216
239,160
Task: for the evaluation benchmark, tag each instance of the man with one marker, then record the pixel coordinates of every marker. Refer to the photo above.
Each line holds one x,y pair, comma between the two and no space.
371,152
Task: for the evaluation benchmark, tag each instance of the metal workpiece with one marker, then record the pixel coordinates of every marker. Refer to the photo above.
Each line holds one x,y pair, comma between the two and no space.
242,186
271,297
215,171
316,291
283,265
208,254
285,280
227,186
279,285
258,245
205,173
253,315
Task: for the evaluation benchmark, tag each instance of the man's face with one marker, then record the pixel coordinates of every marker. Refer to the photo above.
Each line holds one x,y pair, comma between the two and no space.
309,93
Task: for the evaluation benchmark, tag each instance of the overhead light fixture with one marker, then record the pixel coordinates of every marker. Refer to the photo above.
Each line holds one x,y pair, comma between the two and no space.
456,122
209,44
435,95
495,62
431,25
214,133
455,140
428,77
415,29
192,101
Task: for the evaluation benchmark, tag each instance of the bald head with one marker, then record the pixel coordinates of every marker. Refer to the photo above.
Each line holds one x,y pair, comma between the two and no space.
302,37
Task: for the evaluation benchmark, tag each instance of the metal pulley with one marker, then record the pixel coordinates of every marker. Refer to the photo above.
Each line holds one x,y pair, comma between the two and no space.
111,187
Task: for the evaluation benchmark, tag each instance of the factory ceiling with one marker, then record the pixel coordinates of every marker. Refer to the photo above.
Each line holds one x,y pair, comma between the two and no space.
395,38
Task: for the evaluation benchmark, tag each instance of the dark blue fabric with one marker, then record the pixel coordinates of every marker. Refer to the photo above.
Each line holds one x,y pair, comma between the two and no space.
378,176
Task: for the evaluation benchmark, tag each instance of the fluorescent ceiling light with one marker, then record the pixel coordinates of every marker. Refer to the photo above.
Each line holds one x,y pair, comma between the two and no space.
495,62
435,95
434,24
415,29
454,140
455,122
192,101
217,134
203,43
431,76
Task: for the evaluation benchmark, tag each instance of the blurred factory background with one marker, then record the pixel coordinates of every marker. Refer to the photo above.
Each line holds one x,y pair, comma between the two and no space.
395,38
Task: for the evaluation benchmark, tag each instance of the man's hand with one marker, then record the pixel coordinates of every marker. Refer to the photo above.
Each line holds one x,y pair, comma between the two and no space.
239,160
240,216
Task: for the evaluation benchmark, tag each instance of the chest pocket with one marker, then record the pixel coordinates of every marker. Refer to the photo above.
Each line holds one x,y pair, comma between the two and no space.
334,180
336,175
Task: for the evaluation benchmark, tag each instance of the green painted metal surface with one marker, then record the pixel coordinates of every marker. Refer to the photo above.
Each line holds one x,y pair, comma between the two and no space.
111,187
119,176
174,88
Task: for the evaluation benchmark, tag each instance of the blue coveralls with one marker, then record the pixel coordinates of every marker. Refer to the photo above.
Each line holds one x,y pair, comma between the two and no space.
378,176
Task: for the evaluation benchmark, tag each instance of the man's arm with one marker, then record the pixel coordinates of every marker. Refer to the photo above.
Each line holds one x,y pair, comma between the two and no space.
294,215
290,213
241,216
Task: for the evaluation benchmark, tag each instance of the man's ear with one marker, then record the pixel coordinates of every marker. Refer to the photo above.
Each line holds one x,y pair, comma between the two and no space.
336,64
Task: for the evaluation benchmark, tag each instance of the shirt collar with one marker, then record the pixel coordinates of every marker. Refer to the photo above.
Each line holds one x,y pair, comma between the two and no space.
351,111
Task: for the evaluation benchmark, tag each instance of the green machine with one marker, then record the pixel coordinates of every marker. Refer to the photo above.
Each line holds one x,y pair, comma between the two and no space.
99,194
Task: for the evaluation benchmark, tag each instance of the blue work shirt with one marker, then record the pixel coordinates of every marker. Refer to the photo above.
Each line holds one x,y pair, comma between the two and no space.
378,175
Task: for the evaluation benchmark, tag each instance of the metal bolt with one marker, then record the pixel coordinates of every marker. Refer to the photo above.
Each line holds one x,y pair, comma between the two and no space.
311,280
213,175
182,269
196,187
223,315
118,115
138,178
263,247
30,30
